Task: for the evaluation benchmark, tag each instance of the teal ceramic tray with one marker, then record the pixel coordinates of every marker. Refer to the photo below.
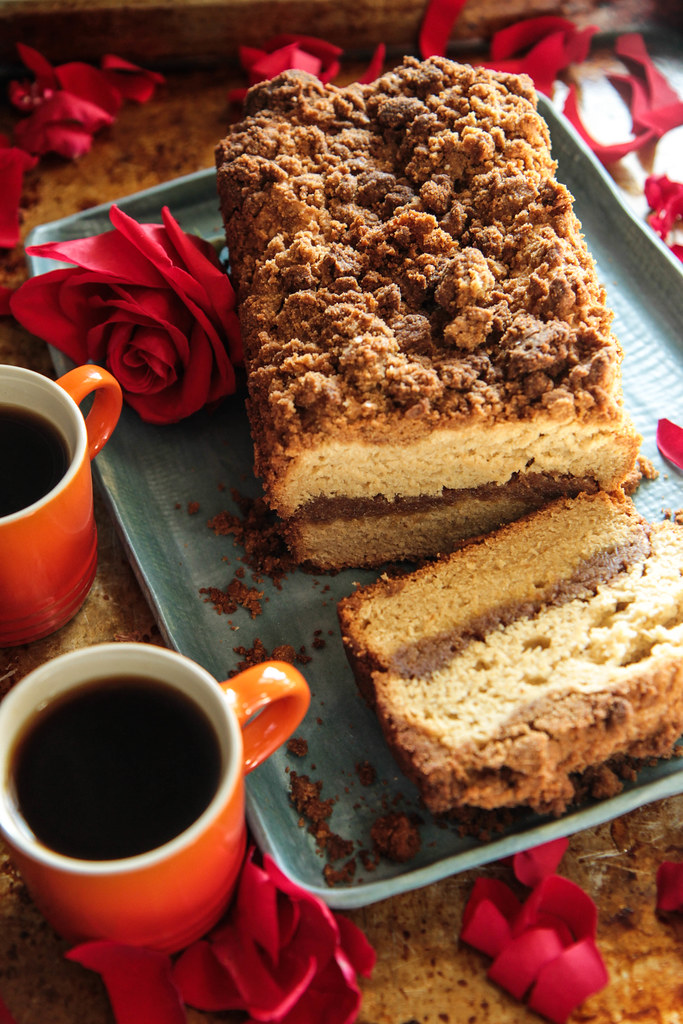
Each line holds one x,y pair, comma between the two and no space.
149,475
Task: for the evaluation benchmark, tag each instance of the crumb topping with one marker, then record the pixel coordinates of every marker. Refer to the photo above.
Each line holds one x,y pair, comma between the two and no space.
404,246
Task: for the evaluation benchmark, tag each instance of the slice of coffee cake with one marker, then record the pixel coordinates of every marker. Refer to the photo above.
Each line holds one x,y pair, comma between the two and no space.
530,654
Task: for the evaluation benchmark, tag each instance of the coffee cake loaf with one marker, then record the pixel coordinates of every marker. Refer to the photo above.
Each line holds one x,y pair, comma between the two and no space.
428,348
528,655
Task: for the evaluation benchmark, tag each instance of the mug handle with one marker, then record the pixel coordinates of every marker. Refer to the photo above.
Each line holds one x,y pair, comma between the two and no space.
106,408
280,693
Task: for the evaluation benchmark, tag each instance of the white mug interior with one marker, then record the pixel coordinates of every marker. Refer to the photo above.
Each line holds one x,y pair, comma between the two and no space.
40,394
101,661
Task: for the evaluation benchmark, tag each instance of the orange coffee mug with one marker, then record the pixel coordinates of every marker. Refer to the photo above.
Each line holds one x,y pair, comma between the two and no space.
48,538
147,850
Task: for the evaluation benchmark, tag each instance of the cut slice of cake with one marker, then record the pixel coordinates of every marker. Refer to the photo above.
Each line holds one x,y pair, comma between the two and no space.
529,655
428,348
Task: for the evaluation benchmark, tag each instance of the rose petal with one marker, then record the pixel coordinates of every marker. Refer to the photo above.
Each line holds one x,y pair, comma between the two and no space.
435,29
519,962
200,259
90,84
329,999
606,152
288,57
531,866
376,65
670,886
139,982
37,307
5,1016
565,982
14,163
670,441
665,199
63,124
285,51
356,946
556,45
513,39
109,255
558,899
327,52
38,64
632,48
266,991
203,982
130,80
255,908
489,915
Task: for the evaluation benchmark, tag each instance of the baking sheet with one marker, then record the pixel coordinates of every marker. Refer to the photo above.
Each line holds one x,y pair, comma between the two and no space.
150,475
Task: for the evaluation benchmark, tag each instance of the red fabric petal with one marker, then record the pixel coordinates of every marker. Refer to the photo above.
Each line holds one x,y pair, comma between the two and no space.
139,982
559,898
200,259
489,915
632,49
110,256
286,51
552,43
435,29
665,199
565,982
655,106
5,1016
517,965
670,886
284,59
532,866
256,907
131,81
329,999
670,441
39,65
605,152
356,946
523,34
88,83
327,52
63,124
14,163
36,304
264,992
306,981
203,982
376,65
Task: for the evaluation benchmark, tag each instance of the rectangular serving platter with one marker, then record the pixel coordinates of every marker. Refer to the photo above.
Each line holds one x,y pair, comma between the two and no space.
150,475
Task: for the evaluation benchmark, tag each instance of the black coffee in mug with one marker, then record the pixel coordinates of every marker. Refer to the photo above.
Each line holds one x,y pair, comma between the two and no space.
34,457
115,767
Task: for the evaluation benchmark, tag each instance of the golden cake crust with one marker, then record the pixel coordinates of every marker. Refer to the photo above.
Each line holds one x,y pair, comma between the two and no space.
421,215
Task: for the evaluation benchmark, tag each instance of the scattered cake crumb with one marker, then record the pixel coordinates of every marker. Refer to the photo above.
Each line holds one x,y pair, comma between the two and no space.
192,508
366,773
257,531
396,837
297,746
237,594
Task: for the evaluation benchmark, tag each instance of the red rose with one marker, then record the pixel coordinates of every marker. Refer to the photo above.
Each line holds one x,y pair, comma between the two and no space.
150,303
281,955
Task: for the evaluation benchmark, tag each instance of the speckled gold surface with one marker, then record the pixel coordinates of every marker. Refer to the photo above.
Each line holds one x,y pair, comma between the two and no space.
423,973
